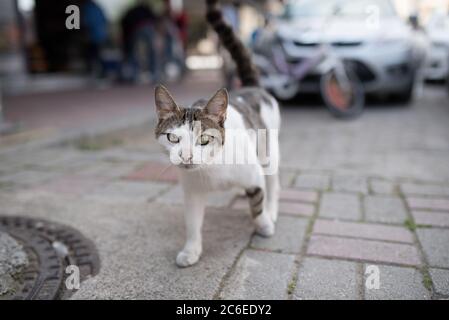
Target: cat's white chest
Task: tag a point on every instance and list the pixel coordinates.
(212, 178)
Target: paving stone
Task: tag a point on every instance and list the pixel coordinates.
(73, 166)
(288, 238)
(175, 196)
(29, 178)
(296, 208)
(220, 199)
(440, 279)
(431, 218)
(362, 230)
(324, 279)
(313, 181)
(340, 206)
(385, 209)
(359, 249)
(435, 243)
(398, 283)
(138, 244)
(155, 171)
(427, 203)
(240, 203)
(382, 186)
(110, 170)
(128, 191)
(60, 158)
(73, 184)
(298, 195)
(424, 189)
(126, 155)
(350, 183)
(259, 275)
(285, 207)
(287, 177)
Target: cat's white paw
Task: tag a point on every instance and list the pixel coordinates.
(266, 230)
(187, 259)
(274, 216)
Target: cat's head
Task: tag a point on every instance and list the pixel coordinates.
(192, 136)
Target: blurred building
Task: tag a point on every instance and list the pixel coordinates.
(423, 8)
(11, 58)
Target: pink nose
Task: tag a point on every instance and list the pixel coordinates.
(186, 158)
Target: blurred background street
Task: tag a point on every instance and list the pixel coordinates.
(77, 148)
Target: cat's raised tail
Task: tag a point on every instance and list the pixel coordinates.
(245, 68)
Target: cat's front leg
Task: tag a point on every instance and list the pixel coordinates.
(193, 216)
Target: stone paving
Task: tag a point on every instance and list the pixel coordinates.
(335, 224)
(325, 237)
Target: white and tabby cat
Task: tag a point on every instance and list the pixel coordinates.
(208, 128)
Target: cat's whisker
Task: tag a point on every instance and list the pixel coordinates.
(163, 171)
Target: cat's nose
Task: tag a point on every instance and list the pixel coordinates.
(186, 157)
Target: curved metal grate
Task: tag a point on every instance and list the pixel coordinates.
(50, 247)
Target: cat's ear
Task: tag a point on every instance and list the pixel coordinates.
(217, 105)
(165, 104)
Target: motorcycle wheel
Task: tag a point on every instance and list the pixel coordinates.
(286, 92)
(343, 103)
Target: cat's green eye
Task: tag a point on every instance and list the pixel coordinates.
(173, 138)
(204, 139)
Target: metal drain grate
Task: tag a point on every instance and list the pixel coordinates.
(50, 247)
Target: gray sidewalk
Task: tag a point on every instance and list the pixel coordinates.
(374, 191)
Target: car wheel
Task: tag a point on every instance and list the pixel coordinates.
(340, 102)
(447, 83)
(406, 96)
(287, 91)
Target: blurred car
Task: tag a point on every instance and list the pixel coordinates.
(437, 66)
(383, 49)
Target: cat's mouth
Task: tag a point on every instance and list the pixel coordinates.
(188, 166)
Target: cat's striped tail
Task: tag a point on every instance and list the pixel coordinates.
(245, 68)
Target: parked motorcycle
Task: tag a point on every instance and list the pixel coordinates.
(340, 88)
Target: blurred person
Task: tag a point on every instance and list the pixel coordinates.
(231, 15)
(179, 16)
(173, 58)
(139, 26)
(96, 25)
(258, 33)
(437, 29)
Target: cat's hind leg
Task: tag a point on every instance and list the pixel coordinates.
(259, 212)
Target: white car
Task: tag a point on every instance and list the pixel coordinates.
(437, 65)
(384, 49)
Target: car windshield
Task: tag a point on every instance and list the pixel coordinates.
(439, 22)
(346, 8)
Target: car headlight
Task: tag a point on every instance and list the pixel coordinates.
(397, 42)
(440, 45)
(394, 44)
